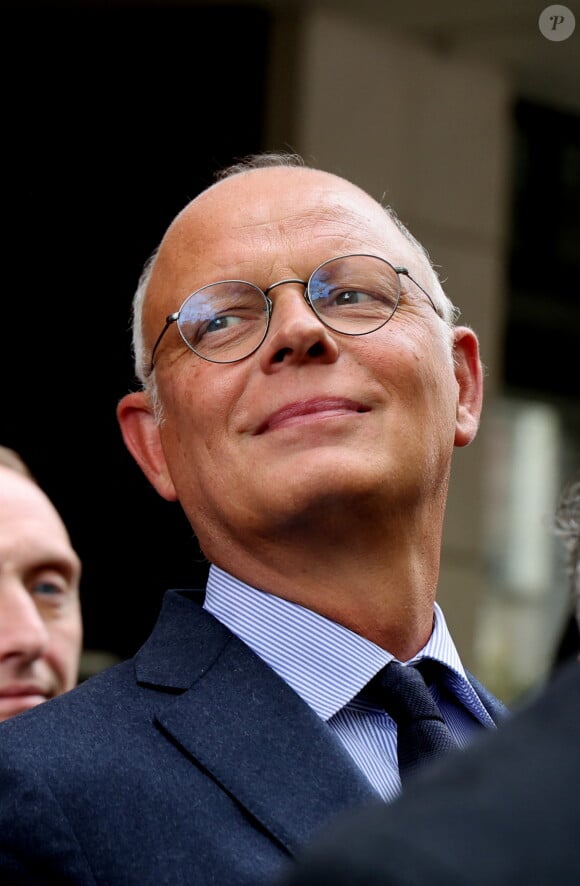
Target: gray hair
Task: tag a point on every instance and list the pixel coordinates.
(263, 160)
(567, 527)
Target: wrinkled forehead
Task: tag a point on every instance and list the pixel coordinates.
(272, 208)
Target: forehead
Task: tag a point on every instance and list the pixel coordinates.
(283, 200)
(276, 218)
(24, 507)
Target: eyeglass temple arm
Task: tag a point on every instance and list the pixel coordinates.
(405, 271)
(171, 318)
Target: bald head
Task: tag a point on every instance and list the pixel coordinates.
(11, 459)
(279, 293)
(269, 197)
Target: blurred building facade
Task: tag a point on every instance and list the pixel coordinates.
(466, 117)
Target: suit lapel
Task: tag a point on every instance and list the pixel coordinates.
(244, 724)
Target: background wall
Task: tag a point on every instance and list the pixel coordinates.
(414, 139)
(118, 113)
(114, 117)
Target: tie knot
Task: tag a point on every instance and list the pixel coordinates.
(421, 731)
(404, 693)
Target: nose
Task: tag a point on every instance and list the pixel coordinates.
(296, 335)
(23, 633)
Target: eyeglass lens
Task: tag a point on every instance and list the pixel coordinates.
(227, 321)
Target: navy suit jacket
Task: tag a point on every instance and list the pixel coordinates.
(192, 763)
(506, 814)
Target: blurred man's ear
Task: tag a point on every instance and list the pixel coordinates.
(140, 432)
(469, 375)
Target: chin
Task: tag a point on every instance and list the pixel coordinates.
(306, 483)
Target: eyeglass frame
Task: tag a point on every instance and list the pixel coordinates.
(174, 317)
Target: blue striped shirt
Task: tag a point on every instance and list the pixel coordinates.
(328, 665)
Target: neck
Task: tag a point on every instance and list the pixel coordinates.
(379, 582)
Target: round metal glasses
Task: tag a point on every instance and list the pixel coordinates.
(227, 321)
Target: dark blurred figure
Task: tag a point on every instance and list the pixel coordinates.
(568, 645)
(567, 526)
(505, 811)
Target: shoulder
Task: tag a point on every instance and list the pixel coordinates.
(501, 811)
(68, 714)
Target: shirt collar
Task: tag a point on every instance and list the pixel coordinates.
(324, 662)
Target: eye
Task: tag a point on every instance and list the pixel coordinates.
(222, 314)
(52, 590)
(219, 323)
(47, 588)
(353, 297)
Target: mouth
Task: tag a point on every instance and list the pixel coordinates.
(304, 411)
(14, 701)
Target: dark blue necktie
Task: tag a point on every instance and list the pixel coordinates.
(422, 734)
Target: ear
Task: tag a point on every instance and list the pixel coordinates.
(469, 376)
(140, 432)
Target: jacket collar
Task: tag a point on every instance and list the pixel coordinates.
(244, 725)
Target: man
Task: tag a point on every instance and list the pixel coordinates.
(506, 813)
(304, 386)
(40, 617)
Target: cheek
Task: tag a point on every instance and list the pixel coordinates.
(203, 395)
(416, 372)
(436, 385)
(410, 363)
(430, 360)
(196, 430)
(65, 649)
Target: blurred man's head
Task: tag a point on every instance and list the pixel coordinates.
(568, 527)
(567, 524)
(40, 614)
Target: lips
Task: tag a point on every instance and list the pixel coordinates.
(323, 406)
(15, 699)
(24, 691)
